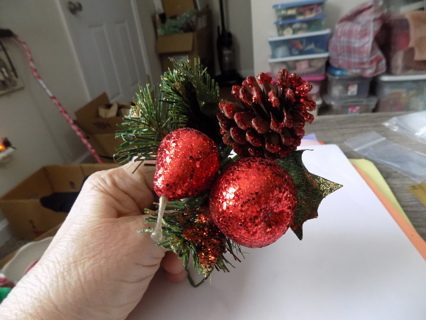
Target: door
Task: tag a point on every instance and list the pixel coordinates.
(108, 45)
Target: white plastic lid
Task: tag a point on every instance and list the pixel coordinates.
(405, 77)
(301, 35)
(352, 100)
(302, 57)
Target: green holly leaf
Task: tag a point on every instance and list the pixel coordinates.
(311, 189)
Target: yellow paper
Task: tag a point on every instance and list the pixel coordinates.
(374, 174)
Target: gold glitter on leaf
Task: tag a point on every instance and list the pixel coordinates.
(312, 189)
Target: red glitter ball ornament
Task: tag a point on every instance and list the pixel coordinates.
(253, 202)
(187, 163)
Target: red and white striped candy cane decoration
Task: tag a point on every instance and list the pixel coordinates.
(56, 101)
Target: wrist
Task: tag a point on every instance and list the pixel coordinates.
(40, 294)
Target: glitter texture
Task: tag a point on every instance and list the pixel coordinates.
(205, 236)
(187, 164)
(267, 118)
(253, 202)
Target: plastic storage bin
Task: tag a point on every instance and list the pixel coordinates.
(403, 5)
(316, 82)
(302, 65)
(307, 43)
(298, 26)
(352, 105)
(401, 93)
(299, 9)
(394, 39)
(338, 72)
(348, 86)
(319, 104)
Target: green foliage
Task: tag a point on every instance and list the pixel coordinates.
(149, 121)
(187, 96)
(194, 93)
(190, 233)
(311, 189)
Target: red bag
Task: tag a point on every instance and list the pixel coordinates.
(353, 47)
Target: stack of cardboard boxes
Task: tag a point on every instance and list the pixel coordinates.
(28, 218)
(21, 206)
(195, 44)
(101, 131)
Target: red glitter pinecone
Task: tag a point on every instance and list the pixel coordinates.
(268, 118)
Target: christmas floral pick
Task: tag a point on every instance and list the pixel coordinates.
(228, 173)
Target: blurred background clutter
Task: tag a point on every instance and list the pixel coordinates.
(372, 59)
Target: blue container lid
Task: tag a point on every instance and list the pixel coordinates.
(321, 16)
(296, 4)
(336, 71)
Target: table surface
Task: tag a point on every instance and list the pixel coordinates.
(336, 129)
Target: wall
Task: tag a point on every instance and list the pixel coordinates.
(145, 10)
(28, 117)
(263, 17)
(238, 22)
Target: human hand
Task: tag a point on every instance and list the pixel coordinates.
(97, 266)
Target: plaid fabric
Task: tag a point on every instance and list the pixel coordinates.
(352, 46)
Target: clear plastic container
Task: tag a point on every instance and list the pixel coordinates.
(304, 65)
(300, 44)
(299, 9)
(350, 105)
(401, 93)
(348, 86)
(298, 26)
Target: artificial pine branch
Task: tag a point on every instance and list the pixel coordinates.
(195, 94)
(149, 121)
(186, 97)
(190, 233)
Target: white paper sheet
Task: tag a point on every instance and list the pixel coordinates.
(353, 263)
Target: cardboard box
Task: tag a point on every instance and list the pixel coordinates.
(105, 145)
(88, 117)
(173, 8)
(197, 44)
(100, 131)
(21, 206)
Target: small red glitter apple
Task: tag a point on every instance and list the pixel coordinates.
(187, 163)
(253, 202)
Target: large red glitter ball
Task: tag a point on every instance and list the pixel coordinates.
(253, 202)
(187, 164)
